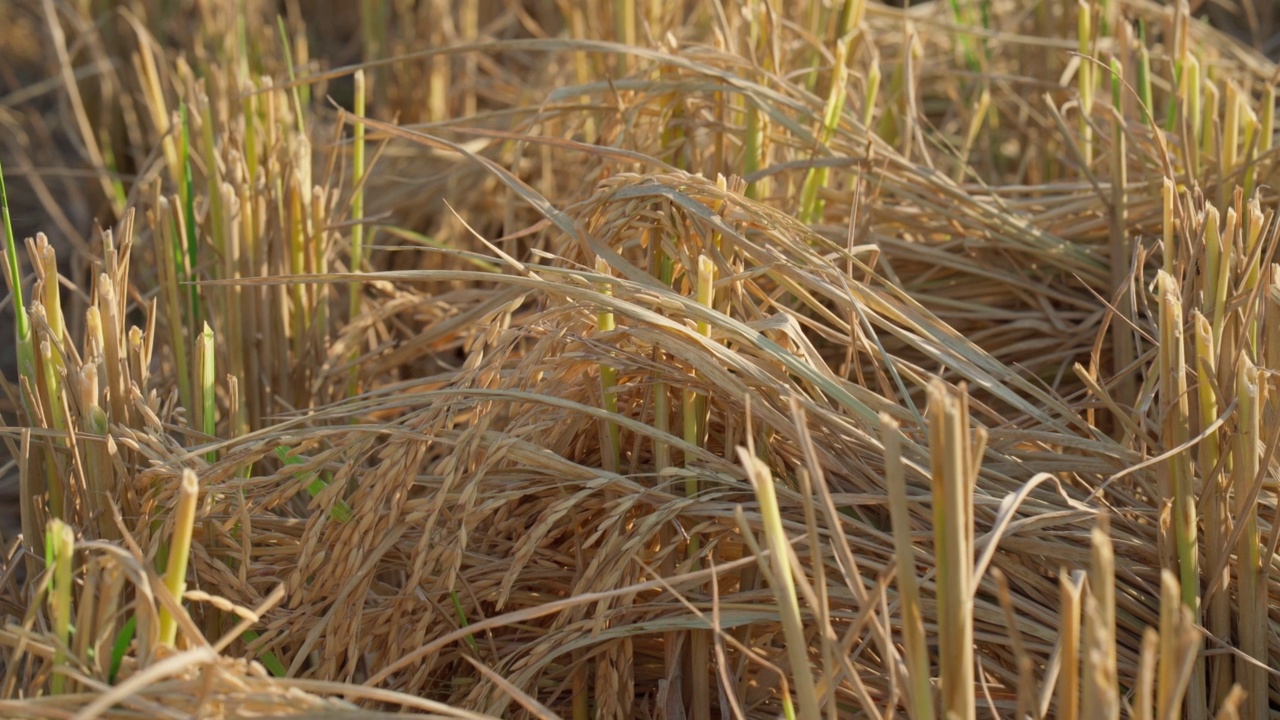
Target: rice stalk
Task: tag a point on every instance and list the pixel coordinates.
(179, 551)
(1085, 82)
(1123, 342)
(778, 568)
(695, 410)
(206, 361)
(815, 181)
(1215, 508)
(1193, 92)
(1173, 389)
(952, 456)
(60, 545)
(1145, 97)
(1100, 682)
(608, 383)
(920, 690)
(355, 290)
(24, 341)
(1179, 649)
(1252, 607)
(1069, 646)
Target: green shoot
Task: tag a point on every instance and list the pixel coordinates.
(120, 648)
(269, 659)
(461, 614)
(22, 322)
(315, 485)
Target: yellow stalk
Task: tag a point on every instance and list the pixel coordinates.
(953, 476)
(778, 565)
(1101, 699)
(175, 579)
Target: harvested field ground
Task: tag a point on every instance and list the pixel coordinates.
(640, 360)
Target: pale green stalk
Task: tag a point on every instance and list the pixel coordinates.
(1218, 256)
(754, 149)
(1084, 79)
(175, 578)
(355, 291)
(816, 179)
(170, 272)
(49, 364)
(1144, 82)
(1252, 622)
(814, 23)
(1250, 124)
(694, 420)
(190, 253)
(99, 472)
(373, 26)
(1168, 239)
(778, 565)
(1216, 511)
(1208, 119)
(298, 264)
(60, 545)
(961, 16)
(26, 349)
(1253, 269)
(1177, 432)
(873, 90)
(1107, 18)
(753, 144)
(207, 362)
(1191, 89)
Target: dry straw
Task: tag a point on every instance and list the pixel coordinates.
(656, 361)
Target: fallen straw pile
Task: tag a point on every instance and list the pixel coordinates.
(685, 360)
